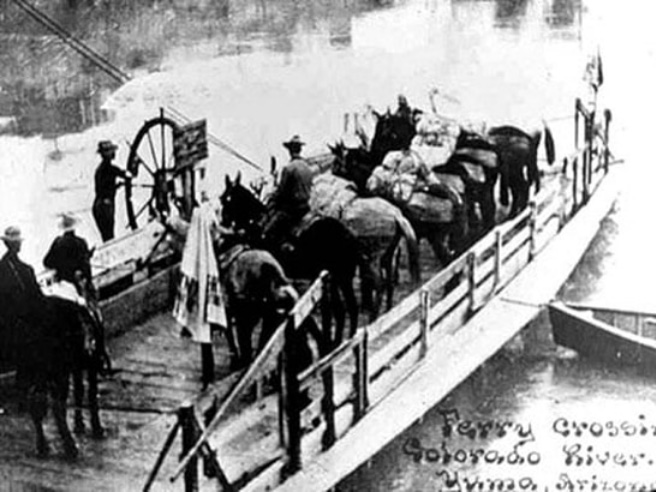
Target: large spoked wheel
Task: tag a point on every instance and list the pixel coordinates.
(155, 188)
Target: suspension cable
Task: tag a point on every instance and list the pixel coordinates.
(115, 72)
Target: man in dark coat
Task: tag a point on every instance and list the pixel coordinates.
(105, 185)
(22, 305)
(69, 255)
(291, 200)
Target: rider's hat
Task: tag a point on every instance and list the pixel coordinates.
(12, 235)
(294, 143)
(67, 222)
(106, 145)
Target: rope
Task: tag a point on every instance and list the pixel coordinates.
(523, 303)
(115, 72)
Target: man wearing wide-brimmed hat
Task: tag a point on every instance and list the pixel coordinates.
(22, 304)
(291, 199)
(69, 254)
(105, 186)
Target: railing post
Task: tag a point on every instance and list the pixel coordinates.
(423, 322)
(577, 105)
(498, 246)
(592, 136)
(327, 345)
(282, 401)
(189, 436)
(471, 279)
(607, 118)
(532, 224)
(575, 171)
(361, 376)
(292, 401)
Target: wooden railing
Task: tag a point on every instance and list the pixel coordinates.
(275, 357)
(355, 376)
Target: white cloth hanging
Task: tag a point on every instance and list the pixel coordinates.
(199, 301)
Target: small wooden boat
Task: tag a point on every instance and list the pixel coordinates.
(610, 335)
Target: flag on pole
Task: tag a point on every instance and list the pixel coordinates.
(199, 302)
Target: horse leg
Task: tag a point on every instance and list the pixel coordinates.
(337, 308)
(270, 321)
(92, 377)
(368, 288)
(389, 274)
(346, 286)
(59, 394)
(37, 402)
(233, 346)
(245, 323)
(78, 396)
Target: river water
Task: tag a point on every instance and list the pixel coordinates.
(260, 71)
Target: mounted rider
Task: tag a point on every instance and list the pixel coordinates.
(22, 305)
(290, 202)
(69, 256)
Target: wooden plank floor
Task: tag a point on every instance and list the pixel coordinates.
(155, 372)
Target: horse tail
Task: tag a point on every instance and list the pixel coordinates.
(405, 227)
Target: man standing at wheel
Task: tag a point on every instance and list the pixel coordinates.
(105, 186)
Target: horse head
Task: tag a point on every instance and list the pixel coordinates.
(240, 208)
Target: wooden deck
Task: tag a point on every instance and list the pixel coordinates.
(155, 372)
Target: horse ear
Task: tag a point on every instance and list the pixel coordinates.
(274, 165)
(238, 179)
(332, 148)
(228, 183)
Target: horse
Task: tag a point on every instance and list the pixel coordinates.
(378, 226)
(324, 244)
(438, 215)
(66, 343)
(474, 163)
(392, 132)
(256, 289)
(518, 162)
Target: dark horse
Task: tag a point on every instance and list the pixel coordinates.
(518, 161)
(325, 244)
(47, 354)
(257, 289)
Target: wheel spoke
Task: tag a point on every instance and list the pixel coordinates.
(152, 149)
(163, 148)
(141, 161)
(143, 185)
(143, 208)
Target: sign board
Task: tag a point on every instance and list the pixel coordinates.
(190, 144)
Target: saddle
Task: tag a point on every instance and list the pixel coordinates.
(304, 224)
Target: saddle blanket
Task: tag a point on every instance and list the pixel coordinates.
(64, 290)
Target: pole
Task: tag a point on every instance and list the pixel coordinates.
(189, 436)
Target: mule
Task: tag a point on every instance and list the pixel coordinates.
(438, 214)
(379, 227)
(257, 290)
(518, 162)
(324, 244)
